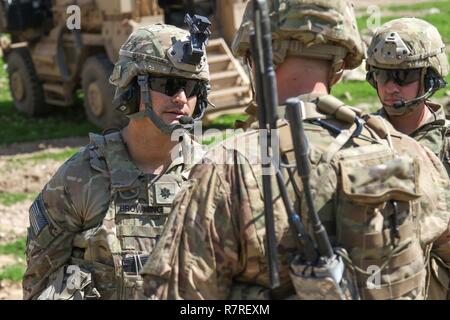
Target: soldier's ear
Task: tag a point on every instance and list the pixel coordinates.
(335, 79)
(337, 71)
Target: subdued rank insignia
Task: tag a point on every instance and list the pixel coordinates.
(165, 192)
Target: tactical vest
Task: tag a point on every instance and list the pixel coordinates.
(116, 250)
(374, 213)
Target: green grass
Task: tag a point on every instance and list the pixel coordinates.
(222, 123)
(360, 91)
(439, 20)
(57, 156)
(225, 122)
(17, 162)
(13, 272)
(212, 140)
(61, 122)
(442, 5)
(8, 199)
(16, 248)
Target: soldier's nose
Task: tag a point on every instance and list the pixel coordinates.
(180, 97)
(392, 87)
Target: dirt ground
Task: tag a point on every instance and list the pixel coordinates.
(24, 176)
(9, 290)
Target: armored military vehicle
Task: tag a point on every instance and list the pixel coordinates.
(56, 47)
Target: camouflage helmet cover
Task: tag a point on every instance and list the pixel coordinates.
(156, 49)
(330, 26)
(408, 43)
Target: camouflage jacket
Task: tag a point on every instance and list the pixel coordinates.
(95, 222)
(433, 134)
(214, 245)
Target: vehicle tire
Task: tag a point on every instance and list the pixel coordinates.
(26, 88)
(99, 93)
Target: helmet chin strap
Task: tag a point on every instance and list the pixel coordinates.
(185, 121)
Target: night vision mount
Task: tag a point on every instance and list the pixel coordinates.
(199, 28)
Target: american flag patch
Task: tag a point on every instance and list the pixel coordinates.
(38, 218)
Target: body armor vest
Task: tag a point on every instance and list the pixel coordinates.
(375, 210)
(116, 250)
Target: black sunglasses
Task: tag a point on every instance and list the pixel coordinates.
(170, 86)
(400, 76)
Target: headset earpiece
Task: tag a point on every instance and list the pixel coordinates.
(434, 81)
(128, 102)
(202, 102)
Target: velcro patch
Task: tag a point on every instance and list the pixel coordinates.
(38, 219)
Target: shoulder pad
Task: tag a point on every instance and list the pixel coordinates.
(96, 146)
(378, 124)
(97, 140)
(331, 105)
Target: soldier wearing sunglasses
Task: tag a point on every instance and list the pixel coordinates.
(96, 221)
(407, 64)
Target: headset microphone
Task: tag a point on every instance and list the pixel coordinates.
(401, 104)
(186, 120)
(435, 84)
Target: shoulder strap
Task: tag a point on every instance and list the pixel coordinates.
(331, 105)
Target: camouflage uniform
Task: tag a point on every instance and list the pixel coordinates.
(366, 189)
(417, 44)
(433, 134)
(96, 221)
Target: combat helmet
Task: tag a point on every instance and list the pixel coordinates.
(318, 29)
(409, 43)
(162, 50)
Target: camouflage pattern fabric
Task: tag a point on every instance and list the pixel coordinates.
(214, 246)
(433, 133)
(311, 23)
(155, 49)
(408, 43)
(95, 222)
